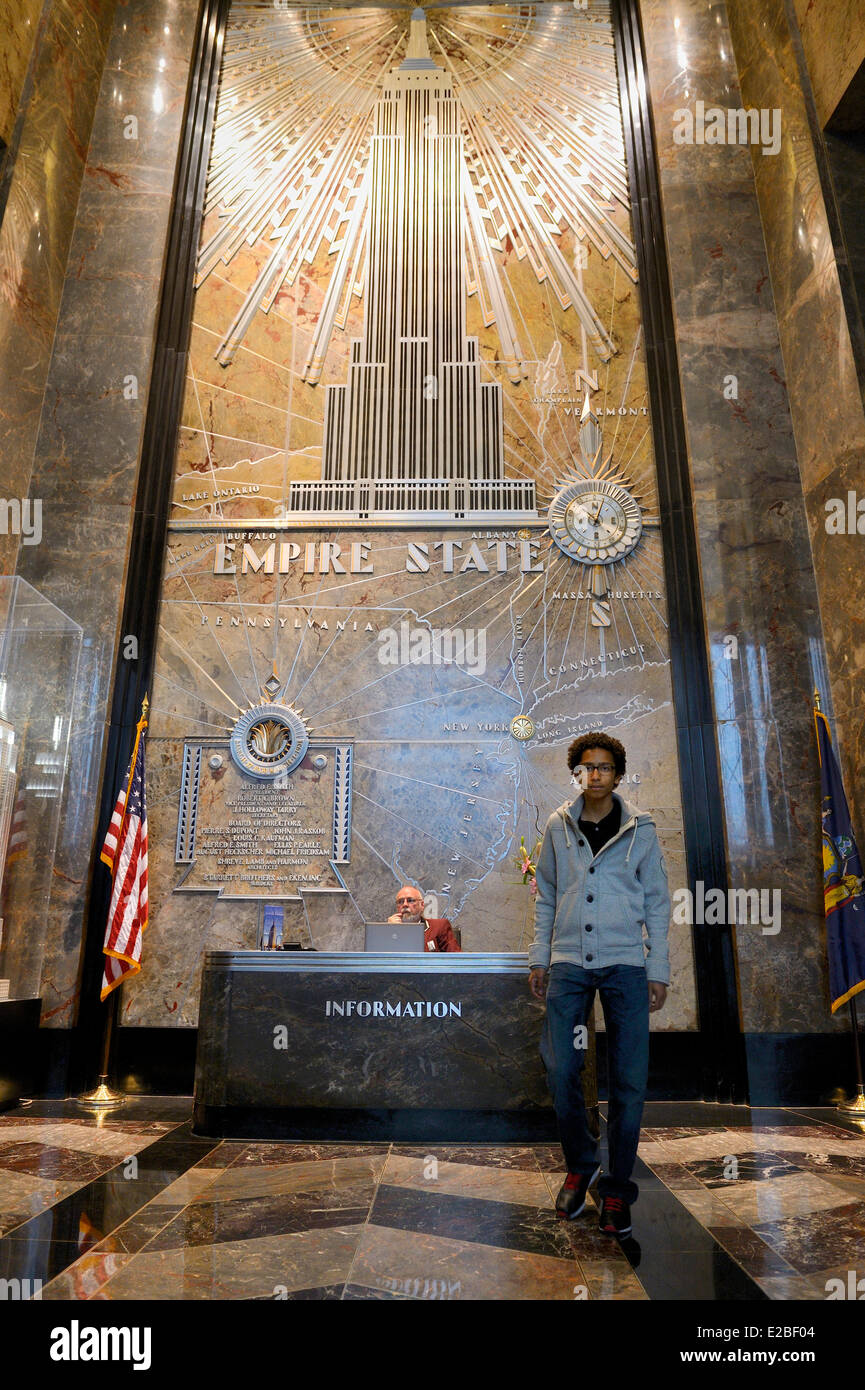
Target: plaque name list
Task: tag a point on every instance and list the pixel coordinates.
(250, 839)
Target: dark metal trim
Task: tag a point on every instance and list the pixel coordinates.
(153, 498)
(450, 966)
(724, 1072)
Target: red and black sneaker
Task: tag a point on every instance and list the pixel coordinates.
(571, 1200)
(615, 1217)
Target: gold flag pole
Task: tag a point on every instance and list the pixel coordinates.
(103, 1096)
(856, 1106)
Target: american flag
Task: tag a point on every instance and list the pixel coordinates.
(125, 853)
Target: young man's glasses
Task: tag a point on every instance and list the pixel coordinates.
(605, 768)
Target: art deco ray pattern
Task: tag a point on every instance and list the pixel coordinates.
(541, 146)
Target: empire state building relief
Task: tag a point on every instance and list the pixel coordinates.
(416, 163)
(415, 428)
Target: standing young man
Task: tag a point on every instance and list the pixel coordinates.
(600, 878)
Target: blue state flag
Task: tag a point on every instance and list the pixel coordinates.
(843, 882)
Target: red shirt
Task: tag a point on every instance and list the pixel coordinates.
(438, 935)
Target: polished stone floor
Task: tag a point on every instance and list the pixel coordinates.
(735, 1204)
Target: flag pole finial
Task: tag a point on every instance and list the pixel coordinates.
(817, 705)
(145, 706)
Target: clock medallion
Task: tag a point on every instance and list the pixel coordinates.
(595, 522)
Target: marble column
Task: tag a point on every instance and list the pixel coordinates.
(758, 577)
(38, 197)
(19, 26)
(819, 366)
(87, 451)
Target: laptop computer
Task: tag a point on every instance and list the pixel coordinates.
(393, 936)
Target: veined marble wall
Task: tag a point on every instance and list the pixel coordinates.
(44, 177)
(753, 538)
(86, 455)
(820, 372)
(19, 22)
(833, 37)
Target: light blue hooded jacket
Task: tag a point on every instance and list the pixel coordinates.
(597, 907)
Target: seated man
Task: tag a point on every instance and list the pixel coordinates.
(437, 935)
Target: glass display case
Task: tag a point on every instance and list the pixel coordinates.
(39, 654)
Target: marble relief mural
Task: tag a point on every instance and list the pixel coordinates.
(414, 547)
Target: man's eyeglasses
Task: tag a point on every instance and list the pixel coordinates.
(605, 768)
(408, 902)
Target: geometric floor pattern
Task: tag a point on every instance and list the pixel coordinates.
(735, 1204)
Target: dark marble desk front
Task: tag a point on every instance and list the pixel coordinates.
(352, 1044)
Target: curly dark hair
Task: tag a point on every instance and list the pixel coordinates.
(605, 741)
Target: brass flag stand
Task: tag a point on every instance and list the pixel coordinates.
(103, 1097)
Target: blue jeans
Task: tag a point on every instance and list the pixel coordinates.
(624, 995)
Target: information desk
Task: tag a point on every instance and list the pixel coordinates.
(353, 1045)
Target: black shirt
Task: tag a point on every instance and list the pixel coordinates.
(599, 832)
